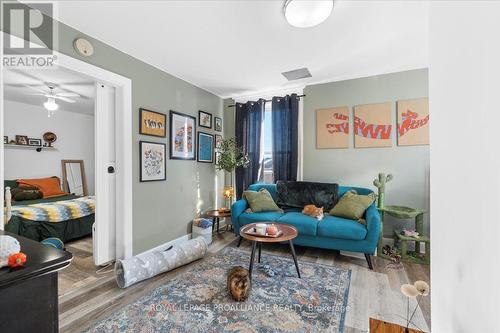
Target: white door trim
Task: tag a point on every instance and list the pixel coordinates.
(124, 161)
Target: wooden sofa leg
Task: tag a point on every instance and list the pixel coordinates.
(369, 261)
(239, 241)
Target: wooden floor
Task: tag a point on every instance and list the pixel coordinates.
(86, 297)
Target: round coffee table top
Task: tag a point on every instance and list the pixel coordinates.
(289, 232)
(217, 213)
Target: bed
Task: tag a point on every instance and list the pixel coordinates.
(39, 230)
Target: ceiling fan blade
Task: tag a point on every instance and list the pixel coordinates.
(36, 94)
(68, 94)
(36, 89)
(69, 100)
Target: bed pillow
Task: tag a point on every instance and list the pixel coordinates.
(22, 193)
(50, 187)
(10, 183)
(260, 201)
(353, 206)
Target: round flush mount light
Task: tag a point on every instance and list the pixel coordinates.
(307, 13)
(83, 47)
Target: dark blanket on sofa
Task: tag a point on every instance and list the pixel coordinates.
(293, 194)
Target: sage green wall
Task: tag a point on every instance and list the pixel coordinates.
(409, 165)
(162, 211)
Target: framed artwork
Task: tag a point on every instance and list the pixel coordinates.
(204, 119)
(152, 123)
(332, 128)
(373, 125)
(153, 161)
(413, 122)
(5, 139)
(218, 140)
(21, 140)
(205, 147)
(182, 136)
(218, 124)
(34, 142)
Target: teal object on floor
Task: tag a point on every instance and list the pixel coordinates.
(333, 233)
(54, 242)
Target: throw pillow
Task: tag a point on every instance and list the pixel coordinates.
(353, 206)
(50, 187)
(260, 201)
(22, 193)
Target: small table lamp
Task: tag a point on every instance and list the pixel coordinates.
(228, 193)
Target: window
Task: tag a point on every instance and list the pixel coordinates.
(267, 163)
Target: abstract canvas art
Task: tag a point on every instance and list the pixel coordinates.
(153, 161)
(182, 136)
(413, 122)
(372, 125)
(332, 128)
(205, 147)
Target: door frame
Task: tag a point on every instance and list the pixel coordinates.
(124, 160)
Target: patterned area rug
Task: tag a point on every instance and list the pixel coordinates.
(198, 301)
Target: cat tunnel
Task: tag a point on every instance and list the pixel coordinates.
(149, 264)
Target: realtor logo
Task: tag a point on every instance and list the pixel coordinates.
(29, 34)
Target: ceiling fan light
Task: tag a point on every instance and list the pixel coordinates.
(307, 13)
(51, 104)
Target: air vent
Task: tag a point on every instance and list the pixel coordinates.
(297, 74)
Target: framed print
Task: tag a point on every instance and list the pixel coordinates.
(413, 122)
(332, 128)
(205, 147)
(5, 139)
(372, 125)
(21, 140)
(152, 123)
(153, 161)
(218, 124)
(204, 119)
(34, 142)
(218, 140)
(182, 136)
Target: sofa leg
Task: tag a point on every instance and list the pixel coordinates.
(239, 241)
(369, 261)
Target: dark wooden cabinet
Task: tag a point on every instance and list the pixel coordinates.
(28, 295)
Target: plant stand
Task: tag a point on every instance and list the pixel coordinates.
(401, 241)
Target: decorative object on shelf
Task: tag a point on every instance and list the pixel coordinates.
(218, 124)
(34, 142)
(152, 123)
(182, 136)
(205, 147)
(373, 125)
(17, 260)
(12, 142)
(5, 139)
(239, 283)
(84, 47)
(413, 122)
(229, 157)
(153, 161)
(380, 185)
(204, 119)
(8, 245)
(332, 128)
(21, 140)
(74, 178)
(417, 290)
(50, 138)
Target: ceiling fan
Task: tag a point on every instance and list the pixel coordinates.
(51, 95)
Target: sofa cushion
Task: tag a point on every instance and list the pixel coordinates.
(353, 205)
(247, 218)
(270, 187)
(337, 227)
(306, 225)
(260, 201)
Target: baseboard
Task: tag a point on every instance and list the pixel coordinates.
(166, 245)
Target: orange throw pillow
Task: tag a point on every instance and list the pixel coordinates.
(50, 187)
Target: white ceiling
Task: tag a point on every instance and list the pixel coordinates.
(235, 48)
(20, 85)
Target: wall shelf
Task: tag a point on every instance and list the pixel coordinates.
(37, 148)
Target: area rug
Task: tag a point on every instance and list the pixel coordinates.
(198, 301)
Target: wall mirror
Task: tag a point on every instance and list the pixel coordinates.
(74, 180)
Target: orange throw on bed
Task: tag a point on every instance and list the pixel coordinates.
(50, 187)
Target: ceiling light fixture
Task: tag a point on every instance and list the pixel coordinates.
(307, 13)
(51, 106)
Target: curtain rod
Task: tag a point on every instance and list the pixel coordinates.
(267, 100)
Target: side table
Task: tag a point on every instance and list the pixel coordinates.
(216, 215)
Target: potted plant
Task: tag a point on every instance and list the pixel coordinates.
(230, 157)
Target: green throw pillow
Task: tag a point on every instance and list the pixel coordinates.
(353, 206)
(22, 193)
(261, 201)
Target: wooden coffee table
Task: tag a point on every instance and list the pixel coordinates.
(289, 233)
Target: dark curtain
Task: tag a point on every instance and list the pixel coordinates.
(249, 118)
(285, 113)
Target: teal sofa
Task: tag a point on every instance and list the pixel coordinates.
(331, 232)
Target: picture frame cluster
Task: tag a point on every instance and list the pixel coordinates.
(185, 142)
